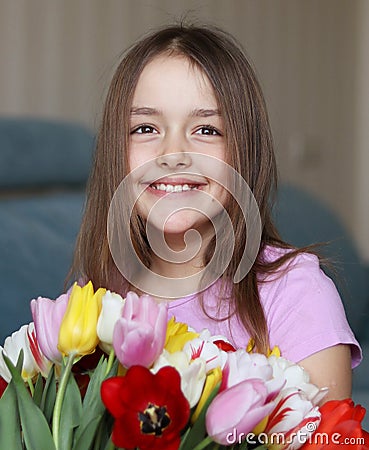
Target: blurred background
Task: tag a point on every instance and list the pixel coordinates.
(311, 56)
(57, 58)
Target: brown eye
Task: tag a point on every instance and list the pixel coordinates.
(208, 131)
(144, 129)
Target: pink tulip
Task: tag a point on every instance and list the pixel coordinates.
(238, 410)
(139, 335)
(47, 316)
(42, 362)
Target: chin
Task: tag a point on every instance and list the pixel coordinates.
(181, 222)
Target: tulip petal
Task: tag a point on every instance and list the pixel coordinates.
(77, 333)
(227, 412)
(130, 398)
(47, 315)
(139, 335)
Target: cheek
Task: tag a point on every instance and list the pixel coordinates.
(140, 154)
(221, 191)
(220, 153)
(135, 160)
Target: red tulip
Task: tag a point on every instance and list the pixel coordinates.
(3, 386)
(340, 425)
(149, 410)
(223, 345)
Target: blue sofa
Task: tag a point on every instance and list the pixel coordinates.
(302, 220)
(43, 170)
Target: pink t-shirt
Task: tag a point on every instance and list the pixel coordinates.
(303, 309)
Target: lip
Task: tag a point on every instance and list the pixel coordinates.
(175, 181)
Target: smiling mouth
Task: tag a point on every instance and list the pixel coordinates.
(174, 188)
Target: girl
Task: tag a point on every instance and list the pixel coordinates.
(182, 98)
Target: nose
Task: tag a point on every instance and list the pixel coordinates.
(177, 160)
(173, 155)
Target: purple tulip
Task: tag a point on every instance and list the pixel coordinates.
(139, 335)
(237, 410)
(47, 316)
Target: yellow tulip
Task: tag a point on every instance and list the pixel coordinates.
(260, 427)
(275, 351)
(212, 379)
(77, 334)
(177, 336)
(250, 348)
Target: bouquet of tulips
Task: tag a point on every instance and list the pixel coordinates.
(96, 371)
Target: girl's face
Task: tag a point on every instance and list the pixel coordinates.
(175, 123)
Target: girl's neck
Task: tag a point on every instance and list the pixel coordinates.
(174, 265)
(178, 269)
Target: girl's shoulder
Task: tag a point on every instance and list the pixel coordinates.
(307, 262)
(303, 308)
(272, 253)
(299, 276)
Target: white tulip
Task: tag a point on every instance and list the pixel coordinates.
(112, 306)
(242, 365)
(4, 371)
(294, 416)
(207, 350)
(193, 373)
(12, 346)
(296, 377)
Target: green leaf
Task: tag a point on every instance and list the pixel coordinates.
(10, 432)
(19, 365)
(93, 408)
(71, 413)
(39, 387)
(49, 395)
(86, 438)
(198, 431)
(109, 446)
(242, 446)
(36, 431)
(104, 432)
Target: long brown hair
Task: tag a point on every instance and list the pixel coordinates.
(249, 149)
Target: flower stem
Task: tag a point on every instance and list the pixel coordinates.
(60, 397)
(110, 361)
(31, 387)
(204, 443)
(111, 446)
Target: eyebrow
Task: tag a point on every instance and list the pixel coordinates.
(205, 112)
(197, 112)
(145, 111)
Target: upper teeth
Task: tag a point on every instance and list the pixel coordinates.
(173, 188)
